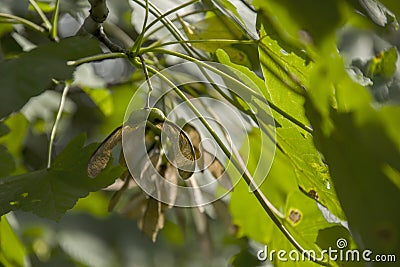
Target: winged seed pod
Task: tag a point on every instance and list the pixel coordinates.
(206, 159)
(182, 149)
(183, 152)
(100, 158)
(153, 218)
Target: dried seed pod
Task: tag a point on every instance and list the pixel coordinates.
(100, 158)
(204, 158)
(183, 153)
(126, 176)
(153, 218)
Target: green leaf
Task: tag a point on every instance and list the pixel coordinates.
(44, 6)
(311, 173)
(12, 251)
(173, 233)
(245, 259)
(361, 146)
(102, 98)
(392, 6)
(249, 92)
(7, 163)
(51, 192)
(283, 71)
(221, 27)
(253, 221)
(3, 129)
(5, 28)
(298, 148)
(14, 139)
(383, 64)
(303, 22)
(246, 211)
(32, 72)
(329, 238)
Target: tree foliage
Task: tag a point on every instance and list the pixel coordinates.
(323, 107)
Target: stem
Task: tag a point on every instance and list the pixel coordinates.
(115, 32)
(251, 91)
(54, 21)
(139, 40)
(272, 212)
(175, 19)
(41, 14)
(146, 75)
(102, 37)
(96, 58)
(158, 45)
(58, 117)
(23, 21)
(170, 26)
(170, 12)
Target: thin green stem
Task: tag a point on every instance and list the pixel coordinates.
(235, 158)
(41, 14)
(227, 41)
(251, 91)
(139, 39)
(175, 19)
(23, 21)
(54, 21)
(96, 58)
(57, 120)
(170, 12)
(146, 75)
(170, 26)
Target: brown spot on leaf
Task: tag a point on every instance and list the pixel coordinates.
(294, 216)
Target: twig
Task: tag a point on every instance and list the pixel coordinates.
(23, 21)
(41, 14)
(58, 117)
(146, 75)
(54, 21)
(93, 24)
(102, 37)
(96, 58)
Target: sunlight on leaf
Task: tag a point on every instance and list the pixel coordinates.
(102, 98)
(221, 27)
(12, 250)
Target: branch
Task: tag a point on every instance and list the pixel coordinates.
(93, 25)
(102, 37)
